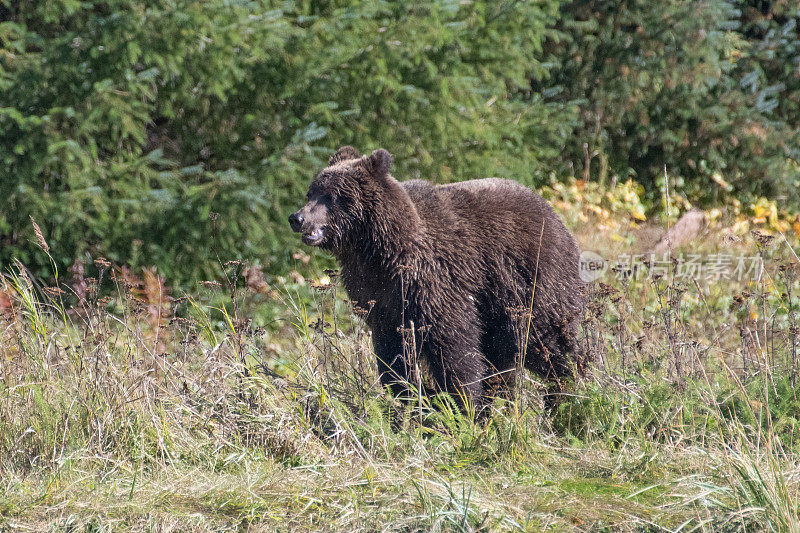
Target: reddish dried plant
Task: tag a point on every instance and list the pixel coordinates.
(6, 301)
(255, 280)
(149, 296)
(77, 281)
(156, 296)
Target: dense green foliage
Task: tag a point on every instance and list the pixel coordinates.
(702, 88)
(178, 133)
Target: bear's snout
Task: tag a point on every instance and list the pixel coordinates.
(296, 222)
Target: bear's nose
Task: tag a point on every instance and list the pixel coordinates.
(296, 221)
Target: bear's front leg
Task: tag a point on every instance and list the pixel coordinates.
(393, 365)
(456, 362)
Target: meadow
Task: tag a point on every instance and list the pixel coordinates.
(253, 403)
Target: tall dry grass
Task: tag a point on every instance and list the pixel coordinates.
(122, 405)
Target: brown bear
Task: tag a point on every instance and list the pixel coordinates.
(475, 269)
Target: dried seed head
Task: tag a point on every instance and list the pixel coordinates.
(790, 270)
(360, 311)
(762, 238)
(730, 238)
(40, 237)
(255, 279)
(639, 342)
(595, 309)
(54, 291)
(606, 290)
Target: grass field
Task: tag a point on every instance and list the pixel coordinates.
(255, 406)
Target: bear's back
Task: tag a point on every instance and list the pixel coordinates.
(497, 219)
(497, 193)
(476, 199)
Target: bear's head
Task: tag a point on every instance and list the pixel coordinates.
(343, 196)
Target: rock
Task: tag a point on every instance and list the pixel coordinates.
(688, 228)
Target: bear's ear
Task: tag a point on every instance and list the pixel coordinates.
(379, 163)
(343, 154)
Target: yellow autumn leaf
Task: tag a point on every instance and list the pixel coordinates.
(719, 180)
(597, 210)
(741, 227)
(609, 225)
(781, 225)
(763, 211)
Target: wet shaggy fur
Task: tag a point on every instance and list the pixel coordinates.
(457, 265)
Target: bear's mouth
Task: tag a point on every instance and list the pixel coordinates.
(314, 237)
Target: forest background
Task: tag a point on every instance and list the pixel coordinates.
(180, 134)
